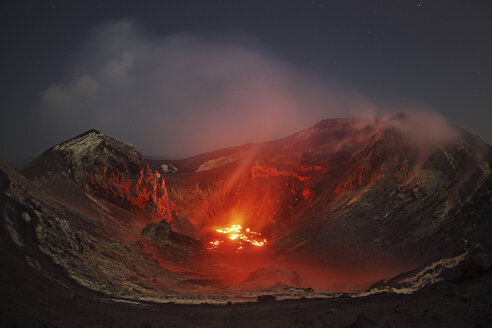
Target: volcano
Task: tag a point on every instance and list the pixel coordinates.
(328, 224)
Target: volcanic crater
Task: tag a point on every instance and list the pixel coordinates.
(353, 205)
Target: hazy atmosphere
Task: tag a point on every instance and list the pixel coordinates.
(175, 82)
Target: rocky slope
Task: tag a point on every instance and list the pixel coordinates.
(58, 241)
(107, 169)
(346, 196)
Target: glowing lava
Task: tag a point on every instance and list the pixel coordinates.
(241, 238)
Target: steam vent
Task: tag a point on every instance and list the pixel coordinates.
(329, 225)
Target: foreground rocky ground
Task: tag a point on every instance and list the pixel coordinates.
(30, 300)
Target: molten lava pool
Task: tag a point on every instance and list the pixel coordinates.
(238, 237)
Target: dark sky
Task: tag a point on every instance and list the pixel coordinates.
(179, 77)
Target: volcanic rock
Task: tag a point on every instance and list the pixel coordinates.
(363, 322)
(61, 243)
(4, 181)
(170, 244)
(266, 298)
(77, 156)
(106, 168)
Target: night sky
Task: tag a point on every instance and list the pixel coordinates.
(175, 78)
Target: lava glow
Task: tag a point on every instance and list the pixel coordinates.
(240, 237)
(145, 192)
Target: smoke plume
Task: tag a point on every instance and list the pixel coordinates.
(184, 94)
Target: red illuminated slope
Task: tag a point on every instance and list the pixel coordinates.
(343, 203)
